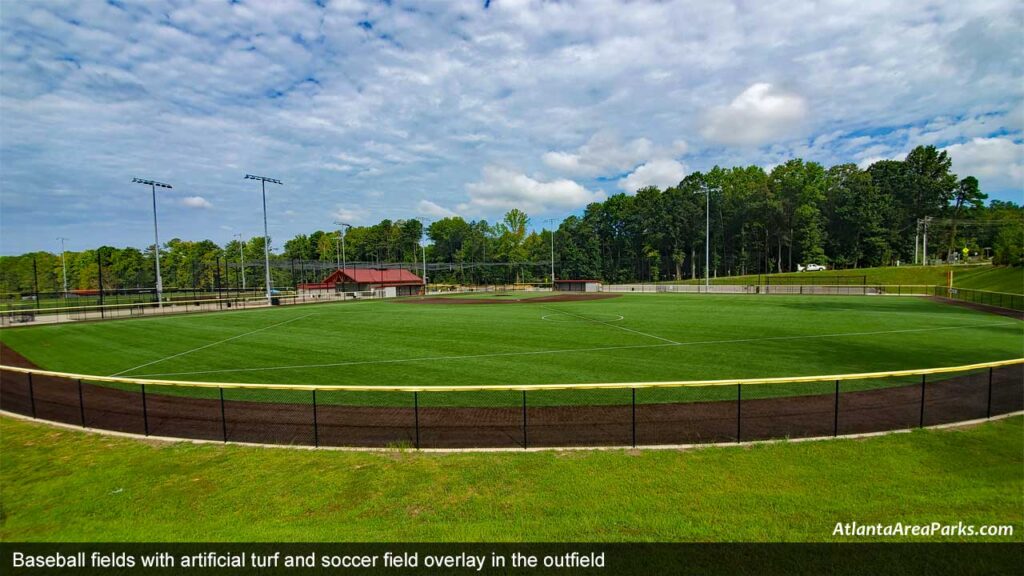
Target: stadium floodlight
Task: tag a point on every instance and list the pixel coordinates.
(241, 257)
(63, 264)
(156, 237)
(707, 237)
(266, 237)
(423, 251)
(344, 232)
(552, 222)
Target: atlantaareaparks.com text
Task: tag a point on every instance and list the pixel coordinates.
(933, 529)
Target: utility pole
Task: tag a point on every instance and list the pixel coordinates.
(266, 237)
(156, 239)
(63, 264)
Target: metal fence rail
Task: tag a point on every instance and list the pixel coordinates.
(552, 415)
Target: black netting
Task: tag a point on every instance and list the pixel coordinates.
(955, 397)
(372, 419)
(113, 408)
(801, 410)
(14, 392)
(477, 419)
(686, 415)
(879, 404)
(56, 399)
(1007, 389)
(184, 412)
(269, 416)
(577, 417)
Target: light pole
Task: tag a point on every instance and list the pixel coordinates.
(552, 222)
(63, 264)
(241, 257)
(707, 237)
(344, 261)
(423, 251)
(156, 238)
(266, 237)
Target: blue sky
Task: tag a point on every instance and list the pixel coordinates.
(371, 110)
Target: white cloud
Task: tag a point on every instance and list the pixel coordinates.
(661, 173)
(760, 114)
(995, 162)
(502, 189)
(601, 154)
(348, 215)
(196, 202)
(428, 208)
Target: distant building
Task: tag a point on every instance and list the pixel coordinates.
(578, 285)
(403, 282)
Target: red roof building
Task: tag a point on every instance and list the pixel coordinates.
(366, 279)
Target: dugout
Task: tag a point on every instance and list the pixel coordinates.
(578, 285)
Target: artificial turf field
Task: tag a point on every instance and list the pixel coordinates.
(632, 338)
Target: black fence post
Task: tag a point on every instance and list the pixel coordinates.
(81, 403)
(923, 377)
(988, 410)
(145, 414)
(835, 420)
(316, 430)
(634, 417)
(524, 421)
(223, 418)
(739, 403)
(416, 412)
(31, 395)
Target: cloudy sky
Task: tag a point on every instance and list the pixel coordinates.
(390, 109)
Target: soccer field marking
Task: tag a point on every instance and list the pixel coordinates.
(211, 344)
(613, 325)
(615, 318)
(568, 350)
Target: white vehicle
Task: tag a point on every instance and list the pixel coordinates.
(811, 268)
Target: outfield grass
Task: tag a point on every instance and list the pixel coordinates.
(660, 337)
(979, 277)
(62, 485)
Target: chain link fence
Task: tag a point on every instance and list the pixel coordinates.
(529, 417)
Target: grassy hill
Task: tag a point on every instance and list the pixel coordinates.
(977, 276)
(63, 485)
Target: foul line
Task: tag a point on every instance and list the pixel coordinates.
(210, 344)
(613, 325)
(569, 350)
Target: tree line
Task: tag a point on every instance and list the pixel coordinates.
(761, 221)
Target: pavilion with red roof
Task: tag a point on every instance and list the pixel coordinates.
(368, 279)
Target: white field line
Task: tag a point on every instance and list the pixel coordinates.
(613, 325)
(570, 350)
(211, 344)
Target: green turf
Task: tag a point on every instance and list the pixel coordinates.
(661, 337)
(979, 277)
(74, 486)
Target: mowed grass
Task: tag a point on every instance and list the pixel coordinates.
(658, 338)
(62, 485)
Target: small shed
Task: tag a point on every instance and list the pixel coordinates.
(578, 285)
(393, 282)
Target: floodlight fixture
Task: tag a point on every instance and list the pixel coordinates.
(344, 232)
(153, 184)
(266, 237)
(63, 264)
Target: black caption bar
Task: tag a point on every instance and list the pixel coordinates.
(465, 559)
